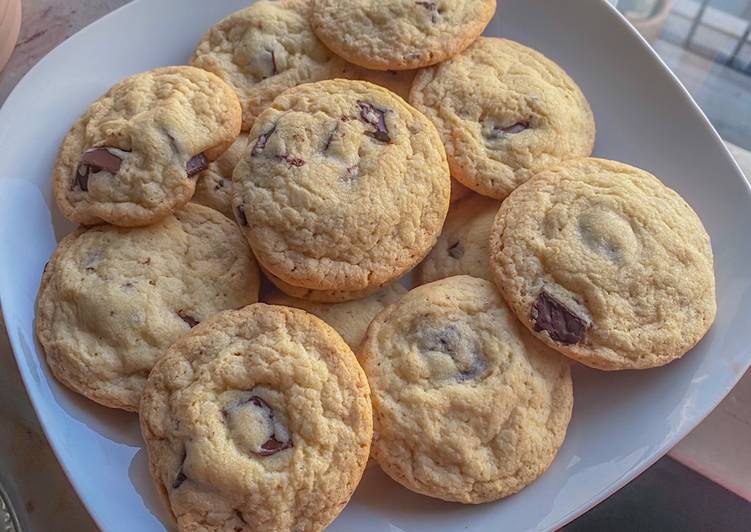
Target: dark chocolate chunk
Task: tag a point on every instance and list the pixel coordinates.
(187, 318)
(261, 142)
(273, 445)
(456, 250)
(240, 517)
(351, 173)
(290, 160)
(330, 138)
(562, 324)
(180, 477)
(376, 117)
(197, 164)
(219, 185)
(502, 132)
(273, 63)
(450, 341)
(94, 161)
(433, 8)
(240, 215)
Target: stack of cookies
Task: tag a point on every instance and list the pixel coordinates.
(312, 143)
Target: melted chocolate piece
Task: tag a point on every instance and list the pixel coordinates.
(352, 172)
(561, 323)
(94, 161)
(456, 250)
(187, 318)
(376, 117)
(292, 161)
(448, 340)
(330, 138)
(501, 132)
(272, 445)
(181, 476)
(433, 8)
(240, 214)
(273, 63)
(261, 142)
(197, 164)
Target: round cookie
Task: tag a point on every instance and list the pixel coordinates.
(214, 185)
(462, 248)
(504, 112)
(263, 50)
(259, 419)
(345, 187)
(133, 156)
(350, 319)
(467, 405)
(605, 264)
(112, 299)
(398, 34)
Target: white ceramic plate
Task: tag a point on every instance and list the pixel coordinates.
(622, 422)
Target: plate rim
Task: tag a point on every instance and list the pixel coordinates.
(565, 518)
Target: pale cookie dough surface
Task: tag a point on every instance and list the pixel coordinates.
(259, 419)
(214, 185)
(605, 264)
(505, 112)
(133, 157)
(265, 49)
(112, 299)
(350, 319)
(344, 187)
(400, 34)
(467, 405)
(462, 248)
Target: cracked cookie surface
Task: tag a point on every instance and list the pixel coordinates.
(214, 185)
(467, 405)
(112, 299)
(259, 419)
(351, 318)
(133, 156)
(462, 248)
(504, 112)
(344, 187)
(265, 49)
(400, 34)
(605, 264)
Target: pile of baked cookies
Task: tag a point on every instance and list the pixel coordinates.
(316, 139)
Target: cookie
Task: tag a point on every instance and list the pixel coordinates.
(462, 248)
(112, 299)
(344, 187)
(604, 263)
(349, 319)
(467, 405)
(504, 112)
(259, 419)
(133, 157)
(263, 50)
(214, 185)
(399, 35)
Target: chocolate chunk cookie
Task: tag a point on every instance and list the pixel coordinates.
(133, 157)
(467, 405)
(214, 185)
(112, 299)
(344, 187)
(604, 263)
(263, 50)
(505, 112)
(258, 419)
(462, 248)
(351, 318)
(400, 34)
